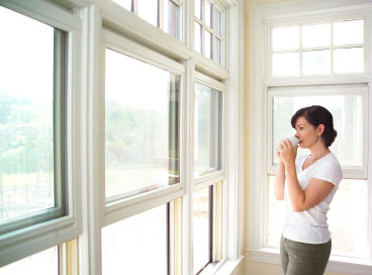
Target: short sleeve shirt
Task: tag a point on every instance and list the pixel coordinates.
(310, 226)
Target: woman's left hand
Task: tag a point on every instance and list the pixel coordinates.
(287, 153)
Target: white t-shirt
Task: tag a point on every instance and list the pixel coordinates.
(310, 226)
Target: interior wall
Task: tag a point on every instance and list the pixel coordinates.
(251, 267)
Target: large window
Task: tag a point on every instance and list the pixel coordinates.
(315, 60)
(31, 122)
(142, 126)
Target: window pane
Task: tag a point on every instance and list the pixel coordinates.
(316, 62)
(26, 116)
(347, 111)
(142, 126)
(286, 64)
(318, 35)
(207, 135)
(197, 38)
(148, 10)
(348, 60)
(197, 7)
(125, 3)
(217, 21)
(202, 228)
(208, 44)
(208, 13)
(275, 216)
(348, 32)
(136, 245)
(350, 204)
(285, 38)
(42, 263)
(172, 18)
(217, 51)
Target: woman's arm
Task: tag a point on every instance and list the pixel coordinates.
(316, 191)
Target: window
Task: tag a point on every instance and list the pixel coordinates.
(32, 144)
(208, 37)
(43, 263)
(315, 57)
(318, 49)
(165, 14)
(142, 127)
(207, 140)
(131, 242)
(38, 186)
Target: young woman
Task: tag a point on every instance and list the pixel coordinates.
(307, 184)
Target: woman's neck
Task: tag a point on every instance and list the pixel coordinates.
(318, 151)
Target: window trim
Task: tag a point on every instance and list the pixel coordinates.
(27, 241)
(258, 127)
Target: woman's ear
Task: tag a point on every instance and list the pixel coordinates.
(320, 129)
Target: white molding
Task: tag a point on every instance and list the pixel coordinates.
(133, 49)
(210, 82)
(93, 138)
(120, 210)
(45, 12)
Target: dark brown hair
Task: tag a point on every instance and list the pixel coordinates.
(316, 115)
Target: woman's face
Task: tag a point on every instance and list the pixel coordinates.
(306, 133)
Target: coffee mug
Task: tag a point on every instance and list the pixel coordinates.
(293, 140)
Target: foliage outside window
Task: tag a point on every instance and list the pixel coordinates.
(32, 121)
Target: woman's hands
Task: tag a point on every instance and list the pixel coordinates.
(285, 152)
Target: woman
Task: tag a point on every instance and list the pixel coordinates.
(307, 184)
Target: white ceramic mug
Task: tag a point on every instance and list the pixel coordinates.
(293, 140)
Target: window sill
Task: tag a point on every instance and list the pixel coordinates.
(227, 267)
(336, 264)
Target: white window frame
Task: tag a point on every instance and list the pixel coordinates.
(140, 39)
(32, 239)
(262, 18)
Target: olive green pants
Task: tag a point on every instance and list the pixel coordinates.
(304, 259)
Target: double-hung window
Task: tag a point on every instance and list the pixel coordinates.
(320, 57)
(38, 188)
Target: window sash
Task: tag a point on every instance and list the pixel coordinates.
(59, 144)
(357, 172)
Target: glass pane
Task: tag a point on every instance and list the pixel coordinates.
(348, 60)
(207, 135)
(348, 32)
(208, 44)
(316, 62)
(197, 7)
(136, 245)
(42, 263)
(125, 3)
(285, 38)
(142, 126)
(148, 10)
(350, 204)
(26, 116)
(197, 37)
(172, 18)
(208, 13)
(217, 21)
(202, 228)
(347, 111)
(318, 35)
(217, 51)
(275, 216)
(286, 64)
